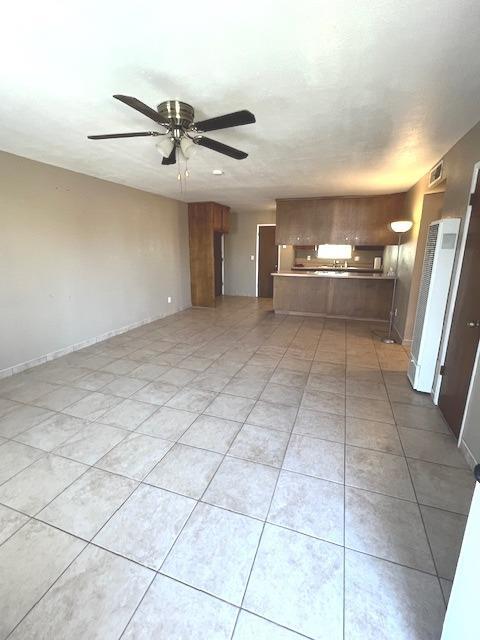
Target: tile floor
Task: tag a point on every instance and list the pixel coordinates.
(227, 474)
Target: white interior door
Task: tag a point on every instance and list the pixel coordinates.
(462, 621)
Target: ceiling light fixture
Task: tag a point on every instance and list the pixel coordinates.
(165, 146)
(217, 172)
(188, 147)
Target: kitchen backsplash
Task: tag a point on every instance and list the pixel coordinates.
(362, 258)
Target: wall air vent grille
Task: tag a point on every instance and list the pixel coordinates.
(436, 175)
(424, 287)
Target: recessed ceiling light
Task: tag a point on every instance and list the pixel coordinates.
(217, 172)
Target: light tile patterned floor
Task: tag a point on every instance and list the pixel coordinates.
(224, 474)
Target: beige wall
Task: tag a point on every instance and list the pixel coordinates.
(431, 210)
(458, 164)
(240, 244)
(80, 257)
(422, 209)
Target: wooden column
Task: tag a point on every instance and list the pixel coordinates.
(203, 219)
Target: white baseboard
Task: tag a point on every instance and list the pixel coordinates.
(53, 355)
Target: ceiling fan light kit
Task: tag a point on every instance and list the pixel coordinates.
(182, 132)
(164, 146)
(187, 145)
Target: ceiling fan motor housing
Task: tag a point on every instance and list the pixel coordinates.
(180, 114)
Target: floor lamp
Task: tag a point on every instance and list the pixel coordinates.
(399, 227)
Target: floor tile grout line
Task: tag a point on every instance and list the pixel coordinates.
(303, 435)
(53, 452)
(138, 605)
(279, 471)
(272, 428)
(159, 406)
(143, 481)
(277, 624)
(272, 524)
(98, 346)
(29, 518)
(47, 590)
(102, 370)
(88, 468)
(189, 517)
(420, 511)
(267, 513)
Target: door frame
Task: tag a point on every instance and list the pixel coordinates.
(222, 249)
(464, 448)
(437, 383)
(222, 260)
(269, 224)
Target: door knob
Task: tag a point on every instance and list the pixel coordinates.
(476, 472)
(473, 323)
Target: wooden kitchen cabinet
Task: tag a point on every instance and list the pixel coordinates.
(343, 220)
(220, 217)
(204, 220)
(217, 213)
(225, 219)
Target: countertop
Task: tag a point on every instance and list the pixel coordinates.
(341, 275)
(353, 269)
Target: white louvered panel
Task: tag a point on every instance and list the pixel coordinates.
(424, 287)
(432, 303)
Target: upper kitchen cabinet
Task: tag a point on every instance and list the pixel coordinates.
(344, 220)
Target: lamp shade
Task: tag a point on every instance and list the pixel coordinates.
(401, 226)
(165, 146)
(188, 147)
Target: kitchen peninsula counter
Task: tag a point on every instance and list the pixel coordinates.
(335, 294)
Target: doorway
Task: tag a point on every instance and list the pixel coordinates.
(267, 259)
(218, 262)
(465, 329)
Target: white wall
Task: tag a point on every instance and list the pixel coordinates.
(462, 618)
(240, 244)
(80, 257)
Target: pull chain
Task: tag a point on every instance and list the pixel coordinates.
(182, 179)
(179, 175)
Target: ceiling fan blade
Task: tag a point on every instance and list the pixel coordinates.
(172, 158)
(125, 135)
(214, 145)
(141, 107)
(234, 119)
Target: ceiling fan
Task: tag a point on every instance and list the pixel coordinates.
(181, 130)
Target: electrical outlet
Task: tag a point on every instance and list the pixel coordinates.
(396, 312)
(169, 299)
(252, 258)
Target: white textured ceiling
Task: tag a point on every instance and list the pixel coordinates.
(350, 96)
